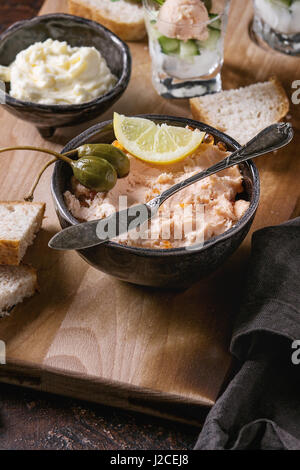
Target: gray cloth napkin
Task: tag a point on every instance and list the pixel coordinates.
(260, 409)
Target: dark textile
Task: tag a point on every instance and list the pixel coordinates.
(260, 409)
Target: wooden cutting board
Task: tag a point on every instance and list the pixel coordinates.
(90, 336)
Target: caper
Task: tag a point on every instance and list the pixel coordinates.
(91, 171)
(113, 155)
(95, 173)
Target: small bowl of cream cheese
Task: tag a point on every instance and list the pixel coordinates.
(61, 70)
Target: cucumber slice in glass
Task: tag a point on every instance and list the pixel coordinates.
(188, 48)
(211, 42)
(169, 45)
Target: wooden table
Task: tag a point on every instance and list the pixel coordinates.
(31, 420)
(244, 63)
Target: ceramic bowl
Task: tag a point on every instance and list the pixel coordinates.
(77, 32)
(174, 268)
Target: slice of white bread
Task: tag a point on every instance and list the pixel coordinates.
(19, 222)
(16, 283)
(125, 18)
(243, 112)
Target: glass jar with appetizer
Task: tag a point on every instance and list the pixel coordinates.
(277, 24)
(186, 45)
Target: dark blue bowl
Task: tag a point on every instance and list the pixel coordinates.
(175, 268)
(77, 32)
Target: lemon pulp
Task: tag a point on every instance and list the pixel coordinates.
(154, 143)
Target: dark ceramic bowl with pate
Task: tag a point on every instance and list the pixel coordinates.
(172, 268)
(77, 32)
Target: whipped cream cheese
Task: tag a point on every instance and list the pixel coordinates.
(53, 72)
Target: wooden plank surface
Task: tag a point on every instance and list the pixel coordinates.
(89, 336)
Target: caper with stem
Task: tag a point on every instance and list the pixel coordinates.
(92, 172)
(113, 155)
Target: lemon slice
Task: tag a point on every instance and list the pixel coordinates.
(154, 143)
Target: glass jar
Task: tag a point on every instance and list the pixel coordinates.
(187, 55)
(277, 23)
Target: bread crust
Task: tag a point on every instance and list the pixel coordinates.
(198, 113)
(285, 104)
(10, 249)
(9, 252)
(134, 31)
(33, 271)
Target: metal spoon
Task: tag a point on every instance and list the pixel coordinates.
(89, 234)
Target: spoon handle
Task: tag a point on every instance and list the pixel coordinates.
(268, 140)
